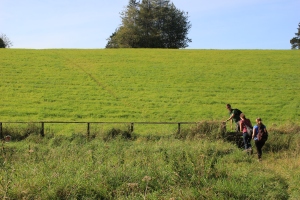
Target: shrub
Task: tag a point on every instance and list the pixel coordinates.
(117, 133)
(21, 132)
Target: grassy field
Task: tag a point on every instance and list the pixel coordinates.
(141, 85)
(148, 85)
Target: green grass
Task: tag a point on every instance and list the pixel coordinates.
(74, 167)
(148, 85)
(141, 85)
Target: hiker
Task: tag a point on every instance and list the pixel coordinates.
(247, 130)
(260, 136)
(234, 114)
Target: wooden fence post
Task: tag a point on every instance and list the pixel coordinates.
(42, 130)
(131, 127)
(178, 128)
(1, 134)
(88, 130)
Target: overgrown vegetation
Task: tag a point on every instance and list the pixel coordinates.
(200, 164)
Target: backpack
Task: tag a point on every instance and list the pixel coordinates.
(249, 130)
(262, 135)
(248, 126)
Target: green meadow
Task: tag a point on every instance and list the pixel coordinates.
(154, 161)
(156, 85)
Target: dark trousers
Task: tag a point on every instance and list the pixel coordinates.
(259, 145)
(247, 140)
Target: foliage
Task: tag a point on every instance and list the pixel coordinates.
(295, 41)
(151, 24)
(5, 41)
(2, 45)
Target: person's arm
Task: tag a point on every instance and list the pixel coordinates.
(241, 127)
(253, 134)
(230, 118)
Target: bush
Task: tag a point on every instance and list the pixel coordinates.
(21, 132)
(117, 133)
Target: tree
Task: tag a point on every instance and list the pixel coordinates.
(2, 45)
(151, 24)
(295, 41)
(112, 43)
(127, 36)
(5, 41)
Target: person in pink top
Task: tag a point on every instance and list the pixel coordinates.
(244, 123)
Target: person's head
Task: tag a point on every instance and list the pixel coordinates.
(228, 106)
(258, 121)
(242, 116)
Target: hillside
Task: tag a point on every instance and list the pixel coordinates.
(148, 85)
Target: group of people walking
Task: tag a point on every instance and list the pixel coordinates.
(257, 132)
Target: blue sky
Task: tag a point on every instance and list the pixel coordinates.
(86, 24)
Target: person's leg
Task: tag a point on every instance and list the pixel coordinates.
(237, 127)
(249, 144)
(249, 141)
(261, 143)
(258, 148)
(245, 140)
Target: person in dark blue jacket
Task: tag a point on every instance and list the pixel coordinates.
(260, 136)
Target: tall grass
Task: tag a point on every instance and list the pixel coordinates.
(112, 165)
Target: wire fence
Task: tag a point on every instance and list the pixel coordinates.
(88, 125)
